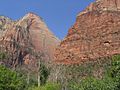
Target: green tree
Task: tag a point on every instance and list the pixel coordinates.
(3, 55)
(10, 80)
(44, 74)
(115, 70)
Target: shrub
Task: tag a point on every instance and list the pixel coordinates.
(10, 80)
(48, 86)
(3, 55)
(109, 81)
(115, 70)
(91, 83)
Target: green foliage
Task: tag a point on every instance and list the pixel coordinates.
(77, 72)
(48, 86)
(115, 70)
(99, 75)
(44, 73)
(109, 81)
(3, 55)
(10, 80)
(91, 83)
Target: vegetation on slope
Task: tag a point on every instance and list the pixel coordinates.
(102, 74)
(10, 80)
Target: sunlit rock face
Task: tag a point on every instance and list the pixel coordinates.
(95, 34)
(24, 38)
(103, 5)
(5, 23)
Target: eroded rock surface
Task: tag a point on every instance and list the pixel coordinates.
(95, 34)
(24, 38)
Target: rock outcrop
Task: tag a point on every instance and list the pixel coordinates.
(103, 5)
(95, 34)
(5, 24)
(24, 38)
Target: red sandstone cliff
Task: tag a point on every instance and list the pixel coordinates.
(25, 38)
(95, 34)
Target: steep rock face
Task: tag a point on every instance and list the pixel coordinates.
(25, 38)
(5, 23)
(41, 37)
(103, 5)
(95, 34)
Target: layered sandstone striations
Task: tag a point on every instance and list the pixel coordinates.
(25, 38)
(95, 34)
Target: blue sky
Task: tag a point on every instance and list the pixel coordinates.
(59, 15)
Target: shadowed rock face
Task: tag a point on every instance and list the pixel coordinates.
(95, 34)
(26, 37)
